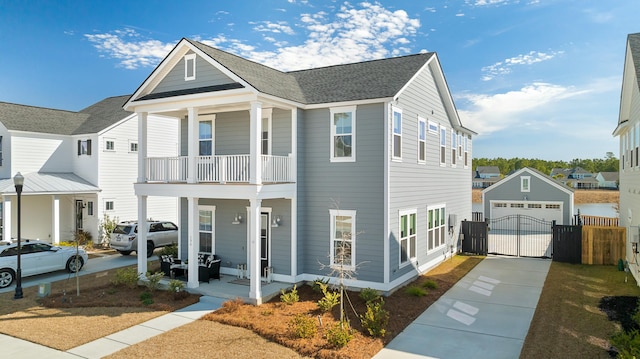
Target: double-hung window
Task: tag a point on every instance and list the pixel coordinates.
(343, 238)
(109, 144)
(525, 184)
(466, 151)
(189, 67)
(454, 145)
(205, 135)
(397, 133)
(443, 146)
(206, 221)
(422, 140)
(343, 133)
(408, 228)
(435, 226)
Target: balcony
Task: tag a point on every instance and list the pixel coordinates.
(218, 169)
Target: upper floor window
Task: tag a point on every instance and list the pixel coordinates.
(265, 144)
(109, 145)
(343, 238)
(133, 146)
(443, 145)
(466, 151)
(0, 150)
(84, 147)
(460, 145)
(189, 67)
(422, 140)
(454, 145)
(433, 127)
(205, 138)
(525, 184)
(343, 131)
(397, 133)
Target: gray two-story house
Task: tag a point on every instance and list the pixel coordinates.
(363, 166)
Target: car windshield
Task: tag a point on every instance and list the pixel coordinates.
(122, 229)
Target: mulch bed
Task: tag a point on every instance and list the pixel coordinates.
(621, 309)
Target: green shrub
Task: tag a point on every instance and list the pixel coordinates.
(127, 277)
(170, 250)
(303, 327)
(330, 299)
(289, 297)
(415, 291)
(153, 280)
(146, 298)
(430, 284)
(106, 227)
(176, 285)
(318, 284)
(369, 295)
(375, 319)
(628, 343)
(339, 335)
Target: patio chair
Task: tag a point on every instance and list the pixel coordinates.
(165, 266)
(211, 269)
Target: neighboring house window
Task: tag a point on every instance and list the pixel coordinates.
(90, 208)
(453, 148)
(190, 67)
(500, 205)
(343, 129)
(84, 147)
(0, 152)
(109, 205)
(517, 205)
(422, 140)
(525, 184)
(466, 151)
(408, 228)
(433, 127)
(534, 205)
(443, 146)
(343, 238)
(206, 229)
(205, 138)
(397, 133)
(133, 146)
(109, 145)
(552, 206)
(435, 226)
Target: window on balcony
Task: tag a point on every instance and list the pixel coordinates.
(343, 130)
(206, 138)
(397, 134)
(265, 144)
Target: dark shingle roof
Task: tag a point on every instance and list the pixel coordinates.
(358, 81)
(103, 114)
(634, 45)
(38, 119)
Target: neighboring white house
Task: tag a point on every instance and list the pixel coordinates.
(608, 180)
(628, 130)
(78, 167)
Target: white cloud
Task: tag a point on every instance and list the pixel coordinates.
(505, 67)
(355, 33)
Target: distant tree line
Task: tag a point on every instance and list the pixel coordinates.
(507, 165)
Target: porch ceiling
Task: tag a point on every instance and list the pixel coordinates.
(49, 183)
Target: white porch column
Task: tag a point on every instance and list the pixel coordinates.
(255, 166)
(6, 219)
(193, 223)
(142, 146)
(55, 216)
(141, 251)
(193, 149)
(255, 292)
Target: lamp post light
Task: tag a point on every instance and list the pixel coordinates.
(18, 181)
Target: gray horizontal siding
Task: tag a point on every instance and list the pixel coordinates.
(206, 75)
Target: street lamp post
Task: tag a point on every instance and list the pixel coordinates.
(18, 181)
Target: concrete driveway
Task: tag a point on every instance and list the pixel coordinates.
(485, 315)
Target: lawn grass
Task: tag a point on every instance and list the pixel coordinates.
(567, 322)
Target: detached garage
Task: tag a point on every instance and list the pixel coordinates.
(531, 193)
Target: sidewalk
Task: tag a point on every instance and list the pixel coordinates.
(485, 315)
(21, 349)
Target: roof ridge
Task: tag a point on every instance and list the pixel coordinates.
(360, 62)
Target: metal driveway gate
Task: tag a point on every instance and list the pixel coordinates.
(520, 235)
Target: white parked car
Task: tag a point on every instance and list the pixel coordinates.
(36, 258)
(124, 237)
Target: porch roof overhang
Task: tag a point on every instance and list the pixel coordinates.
(38, 183)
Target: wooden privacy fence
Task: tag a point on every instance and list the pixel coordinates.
(603, 245)
(599, 221)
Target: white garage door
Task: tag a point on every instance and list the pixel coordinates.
(548, 211)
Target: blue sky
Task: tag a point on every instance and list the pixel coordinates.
(535, 78)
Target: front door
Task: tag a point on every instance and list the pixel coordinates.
(79, 217)
(265, 242)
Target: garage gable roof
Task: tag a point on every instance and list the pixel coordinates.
(533, 172)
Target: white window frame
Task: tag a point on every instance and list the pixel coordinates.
(454, 148)
(433, 127)
(266, 115)
(436, 229)
(443, 146)
(189, 64)
(410, 238)
(459, 146)
(207, 118)
(466, 151)
(107, 142)
(396, 156)
(131, 146)
(109, 205)
(211, 209)
(333, 214)
(90, 209)
(422, 140)
(338, 110)
(525, 183)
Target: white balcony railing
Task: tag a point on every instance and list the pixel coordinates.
(220, 169)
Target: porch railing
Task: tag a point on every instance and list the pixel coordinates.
(218, 168)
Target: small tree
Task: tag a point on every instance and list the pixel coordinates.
(107, 225)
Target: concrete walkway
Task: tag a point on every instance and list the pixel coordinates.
(21, 349)
(485, 315)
